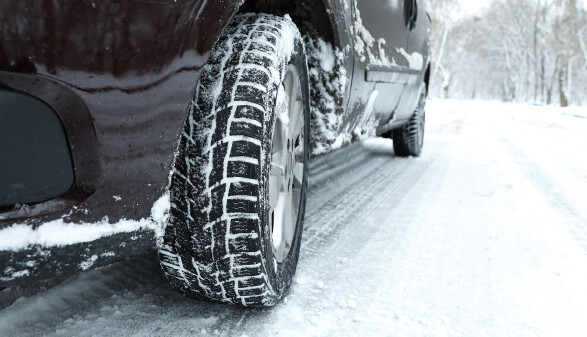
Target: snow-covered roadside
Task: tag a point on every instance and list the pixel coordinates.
(553, 138)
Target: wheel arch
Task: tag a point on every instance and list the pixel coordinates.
(313, 18)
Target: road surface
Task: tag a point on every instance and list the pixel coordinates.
(484, 235)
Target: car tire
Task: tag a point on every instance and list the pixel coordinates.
(238, 184)
(409, 139)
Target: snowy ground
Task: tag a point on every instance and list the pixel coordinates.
(485, 235)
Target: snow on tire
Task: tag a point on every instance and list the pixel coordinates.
(220, 243)
(409, 139)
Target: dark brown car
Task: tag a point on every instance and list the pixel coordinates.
(188, 125)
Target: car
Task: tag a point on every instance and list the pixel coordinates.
(189, 125)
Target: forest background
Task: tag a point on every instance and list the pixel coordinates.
(511, 50)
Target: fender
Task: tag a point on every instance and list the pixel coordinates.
(119, 75)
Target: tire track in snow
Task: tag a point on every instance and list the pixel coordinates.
(324, 222)
(551, 190)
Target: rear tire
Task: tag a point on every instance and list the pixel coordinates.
(240, 167)
(409, 139)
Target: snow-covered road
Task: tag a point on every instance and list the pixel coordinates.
(485, 235)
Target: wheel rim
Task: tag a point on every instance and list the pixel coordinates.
(287, 164)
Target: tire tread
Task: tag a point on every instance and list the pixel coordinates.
(217, 255)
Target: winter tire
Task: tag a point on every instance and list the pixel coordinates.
(238, 187)
(409, 139)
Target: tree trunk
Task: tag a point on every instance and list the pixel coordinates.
(561, 87)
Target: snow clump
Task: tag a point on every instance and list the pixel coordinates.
(328, 82)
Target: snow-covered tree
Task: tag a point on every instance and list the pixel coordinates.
(522, 50)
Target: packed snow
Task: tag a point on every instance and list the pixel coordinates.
(415, 59)
(52, 233)
(328, 82)
(484, 235)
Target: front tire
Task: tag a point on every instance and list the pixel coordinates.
(238, 186)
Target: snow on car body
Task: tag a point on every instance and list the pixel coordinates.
(130, 150)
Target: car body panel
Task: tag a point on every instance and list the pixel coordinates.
(98, 65)
(418, 51)
(382, 82)
(384, 21)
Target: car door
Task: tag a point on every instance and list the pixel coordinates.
(417, 54)
(380, 36)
